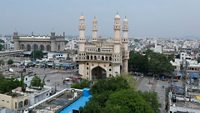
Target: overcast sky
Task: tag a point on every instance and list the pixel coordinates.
(147, 18)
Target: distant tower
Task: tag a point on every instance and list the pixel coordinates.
(16, 41)
(94, 29)
(125, 45)
(53, 41)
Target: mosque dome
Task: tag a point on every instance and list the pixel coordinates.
(125, 20)
(82, 17)
(117, 16)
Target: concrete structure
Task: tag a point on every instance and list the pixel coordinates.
(18, 100)
(44, 43)
(3, 54)
(14, 102)
(101, 58)
(192, 65)
(72, 45)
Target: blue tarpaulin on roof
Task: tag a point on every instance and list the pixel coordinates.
(194, 75)
(78, 103)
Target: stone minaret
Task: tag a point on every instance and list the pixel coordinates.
(94, 29)
(117, 28)
(81, 43)
(117, 57)
(82, 34)
(125, 45)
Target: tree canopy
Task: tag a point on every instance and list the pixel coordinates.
(10, 62)
(114, 95)
(37, 54)
(1, 47)
(83, 84)
(2, 62)
(150, 62)
(6, 85)
(36, 82)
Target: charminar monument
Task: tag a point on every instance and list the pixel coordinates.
(101, 58)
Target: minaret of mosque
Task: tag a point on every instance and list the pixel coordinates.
(94, 29)
(117, 28)
(125, 45)
(117, 54)
(117, 36)
(82, 34)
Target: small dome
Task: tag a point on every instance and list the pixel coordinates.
(125, 20)
(82, 17)
(117, 16)
(94, 19)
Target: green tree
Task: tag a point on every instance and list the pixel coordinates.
(138, 62)
(1, 47)
(2, 41)
(152, 99)
(10, 62)
(150, 62)
(37, 54)
(2, 62)
(127, 101)
(114, 95)
(36, 82)
(198, 59)
(83, 84)
(6, 85)
(109, 84)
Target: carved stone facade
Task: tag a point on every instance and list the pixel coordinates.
(101, 58)
(44, 43)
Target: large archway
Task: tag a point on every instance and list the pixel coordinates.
(98, 73)
(28, 48)
(42, 47)
(35, 47)
(22, 47)
(48, 48)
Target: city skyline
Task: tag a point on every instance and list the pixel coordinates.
(172, 18)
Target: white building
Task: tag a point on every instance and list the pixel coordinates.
(192, 65)
(72, 45)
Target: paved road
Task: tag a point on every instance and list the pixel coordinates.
(54, 78)
(150, 84)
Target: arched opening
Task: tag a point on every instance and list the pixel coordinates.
(91, 57)
(58, 47)
(20, 104)
(102, 58)
(48, 48)
(98, 73)
(28, 48)
(106, 58)
(22, 47)
(110, 58)
(95, 57)
(87, 57)
(26, 102)
(42, 47)
(35, 47)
